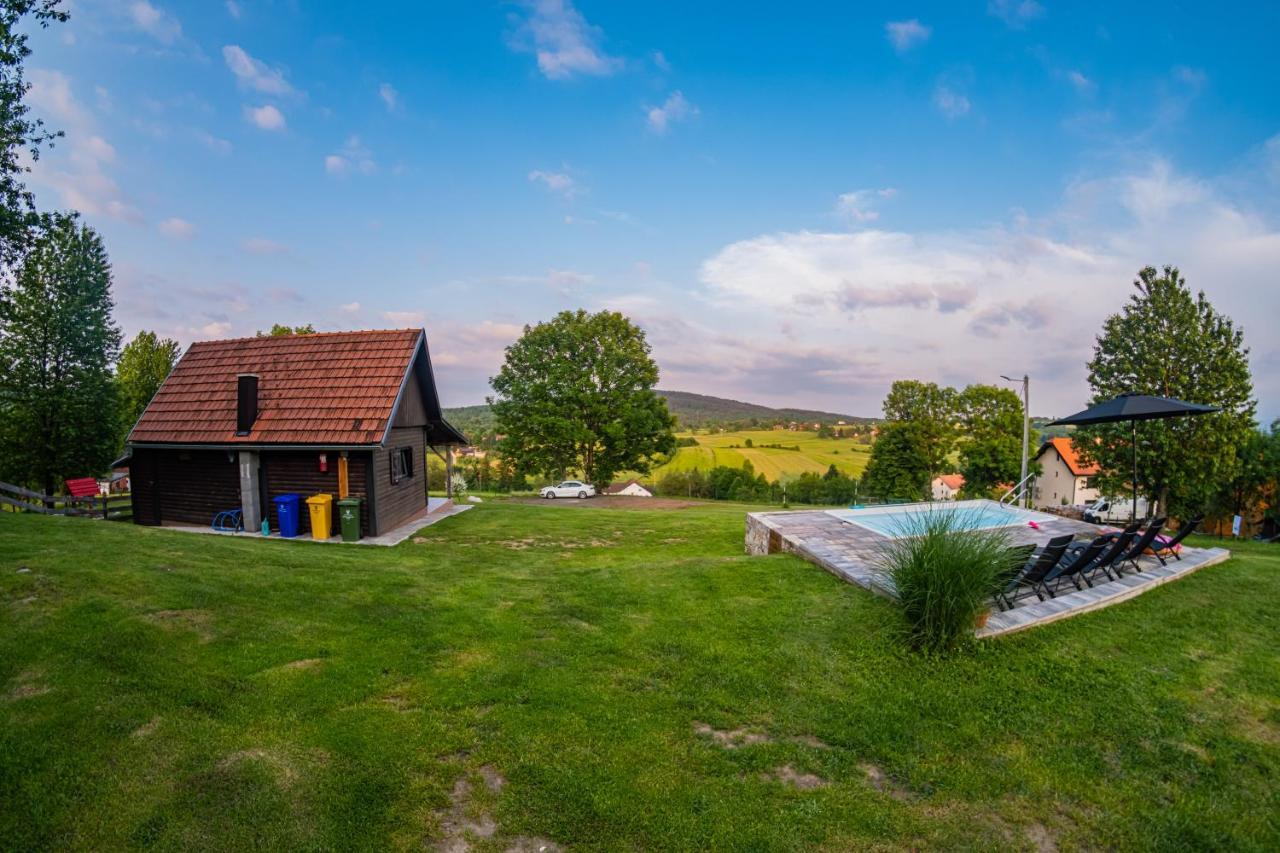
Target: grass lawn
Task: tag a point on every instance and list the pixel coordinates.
(596, 678)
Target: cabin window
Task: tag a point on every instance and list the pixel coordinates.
(401, 464)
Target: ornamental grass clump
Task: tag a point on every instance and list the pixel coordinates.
(945, 573)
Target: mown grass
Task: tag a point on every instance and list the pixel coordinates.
(177, 691)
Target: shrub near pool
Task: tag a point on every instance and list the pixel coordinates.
(945, 572)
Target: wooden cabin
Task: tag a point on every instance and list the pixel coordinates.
(239, 422)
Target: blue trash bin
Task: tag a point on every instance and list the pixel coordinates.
(287, 507)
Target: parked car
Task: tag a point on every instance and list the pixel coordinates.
(569, 489)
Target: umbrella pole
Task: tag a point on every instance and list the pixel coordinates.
(1135, 472)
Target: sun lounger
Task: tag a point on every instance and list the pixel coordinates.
(1031, 579)
(1074, 564)
(1143, 543)
(1163, 547)
(1120, 543)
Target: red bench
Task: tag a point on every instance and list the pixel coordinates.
(82, 487)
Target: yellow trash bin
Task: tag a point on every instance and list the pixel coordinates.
(321, 507)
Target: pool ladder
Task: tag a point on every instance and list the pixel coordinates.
(1018, 492)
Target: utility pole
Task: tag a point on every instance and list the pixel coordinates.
(1026, 433)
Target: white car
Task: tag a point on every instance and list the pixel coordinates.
(569, 489)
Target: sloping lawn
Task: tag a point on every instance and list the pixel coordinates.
(615, 679)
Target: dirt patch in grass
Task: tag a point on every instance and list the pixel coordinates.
(199, 622)
(877, 779)
(788, 775)
(731, 738)
(27, 685)
(284, 767)
(463, 823)
(525, 844)
(305, 663)
(811, 742)
(146, 729)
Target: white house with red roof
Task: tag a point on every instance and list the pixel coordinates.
(631, 489)
(1064, 479)
(947, 486)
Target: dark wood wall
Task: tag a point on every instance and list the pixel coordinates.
(188, 486)
(396, 504)
(191, 486)
(298, 472)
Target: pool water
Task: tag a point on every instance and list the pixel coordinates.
(899, 520)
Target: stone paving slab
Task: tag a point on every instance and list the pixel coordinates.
(850, 553)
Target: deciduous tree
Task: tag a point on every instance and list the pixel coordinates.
(575, 394)
(144, 363)
(932, 411)
(19, 133)
(991, 448)
(1173, 343)
(58, 415)
(899, 463)
(278, 329)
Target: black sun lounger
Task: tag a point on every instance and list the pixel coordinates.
(1032, 578)
(1144, 542)
(1170, 547)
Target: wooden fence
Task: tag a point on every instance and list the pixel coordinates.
(17, 499)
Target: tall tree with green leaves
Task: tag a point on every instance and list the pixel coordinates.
(932, 410)
(991, 446)
(1173, 343)
(19, 133)
(144, 363)
(280, 329)
(576, 395)
(899, 465)
(58, 406)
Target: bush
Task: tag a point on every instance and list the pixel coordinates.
(945, 573)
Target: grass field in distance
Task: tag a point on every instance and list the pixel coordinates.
(728, 448)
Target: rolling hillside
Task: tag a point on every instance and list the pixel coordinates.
(692, 410)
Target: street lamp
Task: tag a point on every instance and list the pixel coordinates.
(1026, 427)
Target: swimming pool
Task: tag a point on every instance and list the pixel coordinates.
(899, 519)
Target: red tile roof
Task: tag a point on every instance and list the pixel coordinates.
(328, 388)
(1067, 450)
(952, 481)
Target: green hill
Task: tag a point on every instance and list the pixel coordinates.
(693, 411)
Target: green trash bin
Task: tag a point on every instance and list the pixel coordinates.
(349, 519)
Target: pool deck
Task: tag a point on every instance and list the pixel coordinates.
(849, 552)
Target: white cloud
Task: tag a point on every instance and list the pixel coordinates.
(858, 206)
(390, 97)
(567, 280)
(215, 330)
(558, 182)
(660, 61)
(178, 229)
(1082, 84)
(1025, 296)
(1015, 13)
(155, 22)
(233, 9)
(350, 308)
(949, 102)
(563, 42)
(904, 35)
(78, 171)
(406, 319)
(676, 108)
(263, 246)
(216, 144)
(254, 74)
(1194, 78)
(266, 117)
(352, 157)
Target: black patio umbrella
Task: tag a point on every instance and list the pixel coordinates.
(1134, 408)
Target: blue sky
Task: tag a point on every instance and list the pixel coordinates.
(798, 204)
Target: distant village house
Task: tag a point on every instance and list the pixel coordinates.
(1064, 480)
(947, 486)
